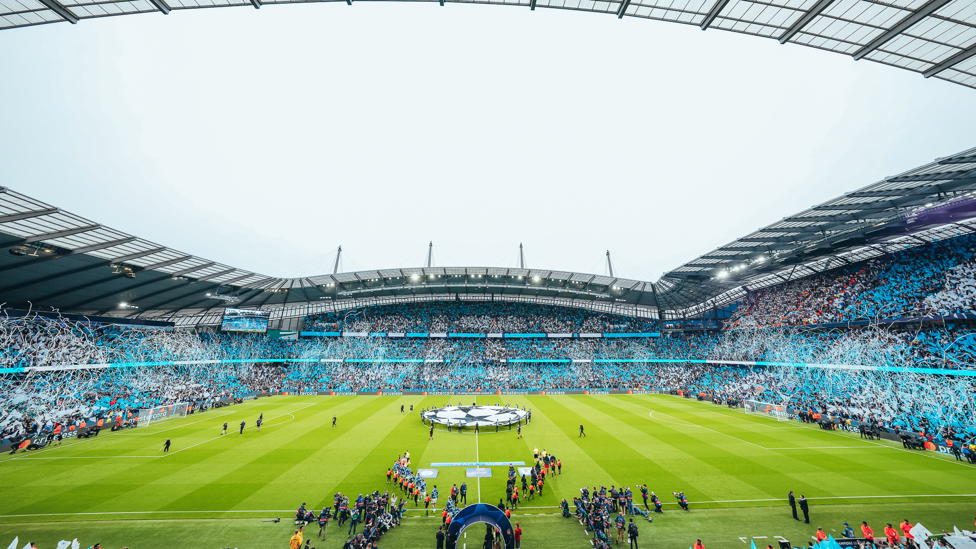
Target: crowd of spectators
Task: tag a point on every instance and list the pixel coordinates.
(32, 405)
(938, 278)
(477, 317)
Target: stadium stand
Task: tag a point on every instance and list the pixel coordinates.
(886, 341)
(477, 317)
(936, 279)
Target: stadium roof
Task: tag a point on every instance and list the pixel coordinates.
(934, 37)
(928, 203)
(63, 261)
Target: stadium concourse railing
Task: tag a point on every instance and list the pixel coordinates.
(892, 369)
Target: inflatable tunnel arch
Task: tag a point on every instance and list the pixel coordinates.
(480, 512)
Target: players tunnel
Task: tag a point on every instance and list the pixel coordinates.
(480, 512)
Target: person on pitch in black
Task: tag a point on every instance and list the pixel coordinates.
(805, 507)
(401, 408)
(242, 427)
(224, 432)
(793, 505)
(323, 521)
(582, 434)
(431, 437)
(165, 447)
(260, 421)
(519, 431)
(440, 538)
(333, 421)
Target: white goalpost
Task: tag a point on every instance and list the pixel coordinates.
(777, 411)
(149, 416)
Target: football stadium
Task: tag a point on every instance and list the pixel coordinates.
(828, 358)
(810, 384)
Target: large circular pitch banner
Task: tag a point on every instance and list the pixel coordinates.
(466, 416)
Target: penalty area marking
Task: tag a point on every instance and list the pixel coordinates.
(892, 445)
(757, 422)
(116, 434)
(546, 507)
(691, 424)
(109, 437)
(28, 458)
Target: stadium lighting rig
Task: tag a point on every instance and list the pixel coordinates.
(221, 297)
(31, 250)
(124, 270)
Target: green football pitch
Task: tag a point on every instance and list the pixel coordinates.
(213, 491)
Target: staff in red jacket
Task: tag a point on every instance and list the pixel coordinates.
(891, 534)
(906, 528)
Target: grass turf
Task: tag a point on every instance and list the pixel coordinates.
(214, 491)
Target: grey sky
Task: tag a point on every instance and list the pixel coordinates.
(264, 139)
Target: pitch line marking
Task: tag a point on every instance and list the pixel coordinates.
(691, 424)
(28, 458)
(420, 510)
(144, 433)
(477, 459)
(756, 422)
(77, 457)
(116, 434)
(685, 424)
(221, 436)
(893, 445)
(76, 442)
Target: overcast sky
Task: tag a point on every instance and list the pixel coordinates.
(264, 139)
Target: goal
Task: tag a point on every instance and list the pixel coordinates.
(149, 416)
(777, 411)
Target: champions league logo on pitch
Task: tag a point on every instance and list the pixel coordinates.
(469, 416)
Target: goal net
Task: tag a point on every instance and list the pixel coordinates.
(777, 411)
(151, 416)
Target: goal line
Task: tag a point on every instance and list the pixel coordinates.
(777, 411)
(151, 416)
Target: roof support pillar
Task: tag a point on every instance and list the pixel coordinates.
(623, 9)
(161, 5)
(713, 13)
(809, 16)
(27, 215)
(57, 8)
(902, 26)
(948, 63)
